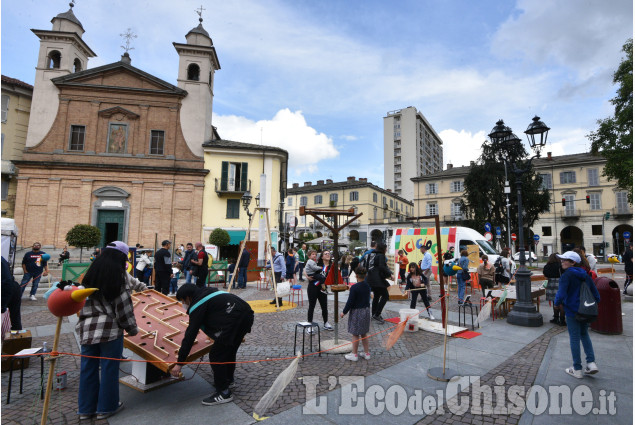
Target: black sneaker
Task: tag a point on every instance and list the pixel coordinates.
(378, 318)
(273, 302)
(217, 398)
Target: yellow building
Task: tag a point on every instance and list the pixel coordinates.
(568, 177)
(235, 168)
(381, 208)
(16, 108)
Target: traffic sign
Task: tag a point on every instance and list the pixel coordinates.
(488, 236)
(498, 231)
(536, 238)
(627, 235)
(488, 227)
(513, 236)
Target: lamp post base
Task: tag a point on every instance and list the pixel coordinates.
(525, 316)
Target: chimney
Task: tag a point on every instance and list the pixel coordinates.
(329, 181)
(320, 182)
(296, 185)
(350, 179)
(307, 184)
(363, 180)
(549, 158)
(450, 166)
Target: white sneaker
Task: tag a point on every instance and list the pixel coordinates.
(309, 331)
(575, 373)
(328, 327)
(365, 356)
(351, 356)
(32, 298)
(430, 316)
(591, 368)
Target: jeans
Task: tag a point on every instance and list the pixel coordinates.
(34, 284)
(579, 332)
(242, 277)
(300, 270)
(461, 284)
(380, 298)
(174, 285)
(188, 277)
(99, 395)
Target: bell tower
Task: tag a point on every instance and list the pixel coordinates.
(197, 64)
(62, 52)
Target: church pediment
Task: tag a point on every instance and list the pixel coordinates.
(118, 75)
(118, 111)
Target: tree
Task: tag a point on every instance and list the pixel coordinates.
(83, 236)
(614, 137)
(219, 237)
(485, 201)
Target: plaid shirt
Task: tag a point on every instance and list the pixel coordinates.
(103, 321)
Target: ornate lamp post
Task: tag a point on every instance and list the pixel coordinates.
(524, 313)
(246, 200)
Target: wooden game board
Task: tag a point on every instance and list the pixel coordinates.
(162, 322)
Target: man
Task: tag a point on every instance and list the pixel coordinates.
(163, 268)
(185, 264)
(224, 317)
(301, 260)
(34, 268)
(11, 297)
(201, 262)
(243, 264)
(627, 259)
(426, 268)
(279, 270)
(593, 262)
(449, 254)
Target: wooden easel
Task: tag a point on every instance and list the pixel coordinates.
(268, 257)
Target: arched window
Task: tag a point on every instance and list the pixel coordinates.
(193, 72)
(77, 65)
(54, 59)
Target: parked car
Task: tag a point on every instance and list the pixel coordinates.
(533, 256)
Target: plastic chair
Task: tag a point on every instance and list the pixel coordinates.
(296, 291)
(263, 281)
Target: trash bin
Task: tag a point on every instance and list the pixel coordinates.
(609, 319)
(413, 319)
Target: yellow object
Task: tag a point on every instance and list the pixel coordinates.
(80, 295)
(258, 417)
(614, 260)
(264, 306)
(457, 268)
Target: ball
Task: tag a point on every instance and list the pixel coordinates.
(46, 257)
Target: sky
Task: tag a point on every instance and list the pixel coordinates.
(316, 77)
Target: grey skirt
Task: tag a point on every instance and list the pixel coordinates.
(359, 321)
(552, 288)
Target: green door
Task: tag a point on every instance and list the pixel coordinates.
(110, 224)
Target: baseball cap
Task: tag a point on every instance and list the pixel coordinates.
(119, 246)
(165, 242)
(571, 256)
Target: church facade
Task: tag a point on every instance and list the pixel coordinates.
(114, 146)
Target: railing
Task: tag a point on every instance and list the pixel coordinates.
(220, 192)
(571, 213)
(376, 220)
(454, 217)
(622, 211)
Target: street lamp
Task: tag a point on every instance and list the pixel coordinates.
(524, 313)
(246, 200)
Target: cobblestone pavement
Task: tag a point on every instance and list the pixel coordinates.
(271, 337)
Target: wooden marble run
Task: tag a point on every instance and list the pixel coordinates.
(162, 322)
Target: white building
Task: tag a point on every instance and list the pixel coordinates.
(411, 149)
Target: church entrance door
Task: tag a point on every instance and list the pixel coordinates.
(111, 225)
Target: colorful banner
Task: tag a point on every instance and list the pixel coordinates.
(411, 240)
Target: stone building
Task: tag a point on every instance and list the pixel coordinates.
(115, 146)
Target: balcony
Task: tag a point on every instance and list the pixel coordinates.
(621, 211)
(377, 220)
(453, 218)
(571, 214)
(220, 192)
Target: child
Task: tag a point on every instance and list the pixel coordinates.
(415, 281)
(290, 266)
(403, 265)
(230, 271)
(176, 273)
(358, 304)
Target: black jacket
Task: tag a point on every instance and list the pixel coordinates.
(219, 317)
(189, 255)
(243, 262)
(552, 270)
(160, 258)
(378, 270)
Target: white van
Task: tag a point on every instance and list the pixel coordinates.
(411, 239)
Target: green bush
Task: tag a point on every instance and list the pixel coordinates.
(83, 236)
(219, 237)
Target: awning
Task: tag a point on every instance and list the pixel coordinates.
(236, 236)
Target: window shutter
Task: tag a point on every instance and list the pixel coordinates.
(223, 176)
(243, 177)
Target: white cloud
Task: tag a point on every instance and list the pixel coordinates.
(565, 141)
(287, 130)
(348, 137)
(459, 148)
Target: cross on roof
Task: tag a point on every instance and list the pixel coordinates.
(199, 12)
(128, 36)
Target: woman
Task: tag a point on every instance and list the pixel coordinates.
(568, 296)
(345, 267)
(552, 271)
(102, 321)
(508, 267)
(315, 277)
(142, 263)
(486, 274)
(65, 255)
(358, 304)
(378, 272)
(414, 283)
(290, 266)
(463, 275)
